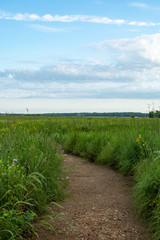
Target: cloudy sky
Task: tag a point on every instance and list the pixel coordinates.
(79, 55)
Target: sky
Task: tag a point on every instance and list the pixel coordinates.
(79, 56)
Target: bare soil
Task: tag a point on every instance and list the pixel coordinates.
(100, 206)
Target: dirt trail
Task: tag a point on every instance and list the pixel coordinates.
(100, 206)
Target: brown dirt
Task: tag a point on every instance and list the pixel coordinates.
(100, 206)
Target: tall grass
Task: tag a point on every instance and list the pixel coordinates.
(132, 146)
(30, 169)
(129, 145)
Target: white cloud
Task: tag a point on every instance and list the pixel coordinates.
(47, 18)
(140, 49)
(142, 24)
(145, 6)
(71, 18)
(18, 17)
(43, 28)
(139, 5)
(134, 74)
(23, 17)
(82, 81)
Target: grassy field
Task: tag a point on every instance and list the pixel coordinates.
(31, 174)
(31, 167)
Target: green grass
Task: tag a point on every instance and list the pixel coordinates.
(30, 170)
(130, 146)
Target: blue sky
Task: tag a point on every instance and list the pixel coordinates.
(79, 55)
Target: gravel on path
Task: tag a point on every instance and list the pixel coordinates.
(100, 206)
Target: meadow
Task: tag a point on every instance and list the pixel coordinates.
(31, 165)
(31, 175)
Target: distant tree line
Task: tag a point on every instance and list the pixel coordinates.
(154, 114)
(83, 114)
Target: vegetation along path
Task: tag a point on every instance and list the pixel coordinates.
(100, 206)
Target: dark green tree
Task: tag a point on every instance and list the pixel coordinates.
(151, 114)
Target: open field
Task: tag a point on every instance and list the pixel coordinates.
(31, 167)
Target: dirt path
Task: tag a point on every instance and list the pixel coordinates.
(100, 206)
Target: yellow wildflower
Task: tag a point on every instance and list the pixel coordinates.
(138, 138)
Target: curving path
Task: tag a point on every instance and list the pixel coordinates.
(100, 206)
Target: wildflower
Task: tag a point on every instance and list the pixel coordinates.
(154, 202)
(15, 160)
(138, 138)
(67, 177)
(65, 160)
